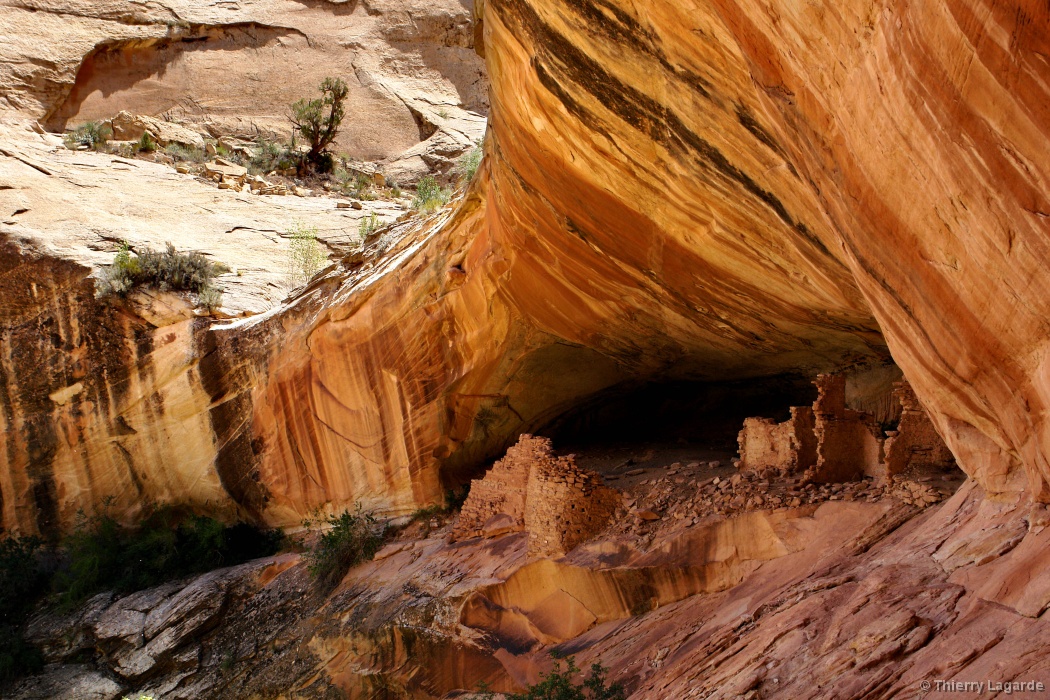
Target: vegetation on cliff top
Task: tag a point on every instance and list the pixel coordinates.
(306, 256)
(165, 270)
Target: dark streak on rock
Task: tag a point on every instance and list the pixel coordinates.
(748, 121)
(235, 460)
(559, 55)
(623, 30)
(130, 462)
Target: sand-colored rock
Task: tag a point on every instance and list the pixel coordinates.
(233, 69)
(131, 127)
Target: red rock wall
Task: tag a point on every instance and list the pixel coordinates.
(702, 190)
(898, 147)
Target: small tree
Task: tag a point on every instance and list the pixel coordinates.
(318, 120)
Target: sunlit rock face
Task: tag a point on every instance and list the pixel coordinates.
(689, 190)
(735, 172)
(233, 68)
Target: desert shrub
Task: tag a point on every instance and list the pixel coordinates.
(318, 121)
(169, 269)
(369, 224)
(355, 184)
(306, 257)
(101, 554)
(350, 539)
(118, 278)
(188, 154)
(430, 195)
(22, 578)
(270, 156)
(165, 270)
(363, 187)
(146, 143)
(210, 298)
(470, 161)
(557, 685)
(94, 135)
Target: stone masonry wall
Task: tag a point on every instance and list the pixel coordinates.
(831, 443)
(501, 490)
(532, 489)
(766, 444)
(565, 506)
(849, 443)
(915, 442)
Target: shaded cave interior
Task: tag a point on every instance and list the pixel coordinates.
(660, 422)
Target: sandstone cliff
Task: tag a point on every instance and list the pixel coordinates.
(685, 191)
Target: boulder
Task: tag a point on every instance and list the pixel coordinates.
(130, 127)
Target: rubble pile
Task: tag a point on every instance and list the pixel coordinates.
(686, 496)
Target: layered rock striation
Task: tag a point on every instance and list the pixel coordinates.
(686, 191)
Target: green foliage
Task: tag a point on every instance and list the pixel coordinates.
(351, 539)
(306, 257)
(358, 185)
(559, 686)
(453, 502)
(146, 143)
(318, 120)
(210, 298)
(103, 555)
(270, 156)
(21, 580)
(167, 269)
(17, 657)
(470, 161)
(94, 135)
(188, 154)
(430, 195)
(369, 225)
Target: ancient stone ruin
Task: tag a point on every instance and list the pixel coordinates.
(831, 443)
(533, 490)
